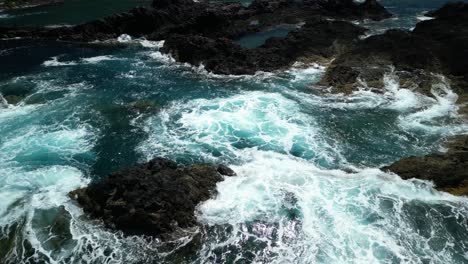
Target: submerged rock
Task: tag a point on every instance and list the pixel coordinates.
(153, 199)
(448, 171)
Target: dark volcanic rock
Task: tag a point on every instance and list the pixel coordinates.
(449, 39)
(434, 46)
(152, 198)
(204, 18)
(219, 55)
(449, 10)
(449, 171)
(317, 39)
(204, 32)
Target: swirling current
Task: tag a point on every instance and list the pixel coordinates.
(308, 188)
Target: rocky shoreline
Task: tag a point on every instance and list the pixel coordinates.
(448, 171)
(436, 46)
(158, 197)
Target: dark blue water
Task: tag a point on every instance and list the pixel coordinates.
(308, 188)
(67, 13)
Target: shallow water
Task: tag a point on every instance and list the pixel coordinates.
(308, 188)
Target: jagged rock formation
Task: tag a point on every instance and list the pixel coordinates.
(448, 171)
(204, 18)
(434, 46)
(318, 39)
(154, 198)
(205, 32)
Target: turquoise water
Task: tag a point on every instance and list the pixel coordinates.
(308, 188)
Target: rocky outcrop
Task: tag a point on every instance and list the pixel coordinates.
(153, 199)
(205, 18)
(318, 39)
(204, 32)
(434, 46)
(448, 171)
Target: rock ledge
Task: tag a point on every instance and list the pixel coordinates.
(153, 198)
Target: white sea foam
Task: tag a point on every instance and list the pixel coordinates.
(53, 62)
(209, 128)
(306, 214)
(422, 17)
(280, 208)
(151, 44)
(10, 112)
(306, 72)
(162, 58)
(124, 38)
(430, 118)
(36, 142)
(28, 188)
(97, 59)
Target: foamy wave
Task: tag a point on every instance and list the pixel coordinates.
(431, 118)
(97, 59)
(223, 126)
(293, 210)
(306, 72)
(151, 44)
(298, 73)
(54, 62)
(422, 17)
(162, 58)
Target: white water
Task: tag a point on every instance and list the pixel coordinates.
(219, 127)
(296, 198)
(337, 217)
(54, 61)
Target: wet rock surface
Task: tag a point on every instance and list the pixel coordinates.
(448, 171)
(318, 39)
(205, 32)
(204, 18)
(434, 46)
(154, 198)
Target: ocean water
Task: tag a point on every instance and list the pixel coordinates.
(67, 13)
(308, 188)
